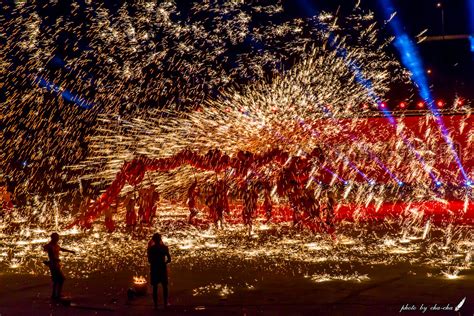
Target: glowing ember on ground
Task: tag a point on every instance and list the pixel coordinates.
(222, 290)
(326, 277)
(357, 243)
(139, 280)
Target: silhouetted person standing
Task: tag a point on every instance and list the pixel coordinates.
(159, 257)
(54, 264)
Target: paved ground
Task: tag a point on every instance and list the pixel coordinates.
(371, 269)
(389, 288)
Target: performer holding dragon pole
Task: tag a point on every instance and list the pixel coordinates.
(222, 202)
(193, 193)
(250, 198)
(267, 201)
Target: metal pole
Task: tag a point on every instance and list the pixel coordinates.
(442, 22)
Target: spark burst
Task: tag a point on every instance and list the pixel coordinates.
(266, 114)
(124, 71)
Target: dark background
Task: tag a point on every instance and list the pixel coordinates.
(451, 62)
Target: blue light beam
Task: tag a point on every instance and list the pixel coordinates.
(65, 94)
(470, 4)
(413, 62)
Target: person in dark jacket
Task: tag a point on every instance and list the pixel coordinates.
(158, 257)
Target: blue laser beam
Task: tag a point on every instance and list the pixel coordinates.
(339, 154)
(470, 5)
(412, 61)
(335, 175)
(367, 84)
(371, 153)
(64, 93)
(353, 166)
(301, 121)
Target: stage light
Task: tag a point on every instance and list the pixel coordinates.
(400, 183)
(440, 103)
(439, 5)
(429, 71)
(383, 105)
(371, 182)
(438, 183)
(469, 183)
(403, 105)
(420, 104)
(460, 102)
(411, 59)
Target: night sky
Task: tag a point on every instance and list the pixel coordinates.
(451, 62)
